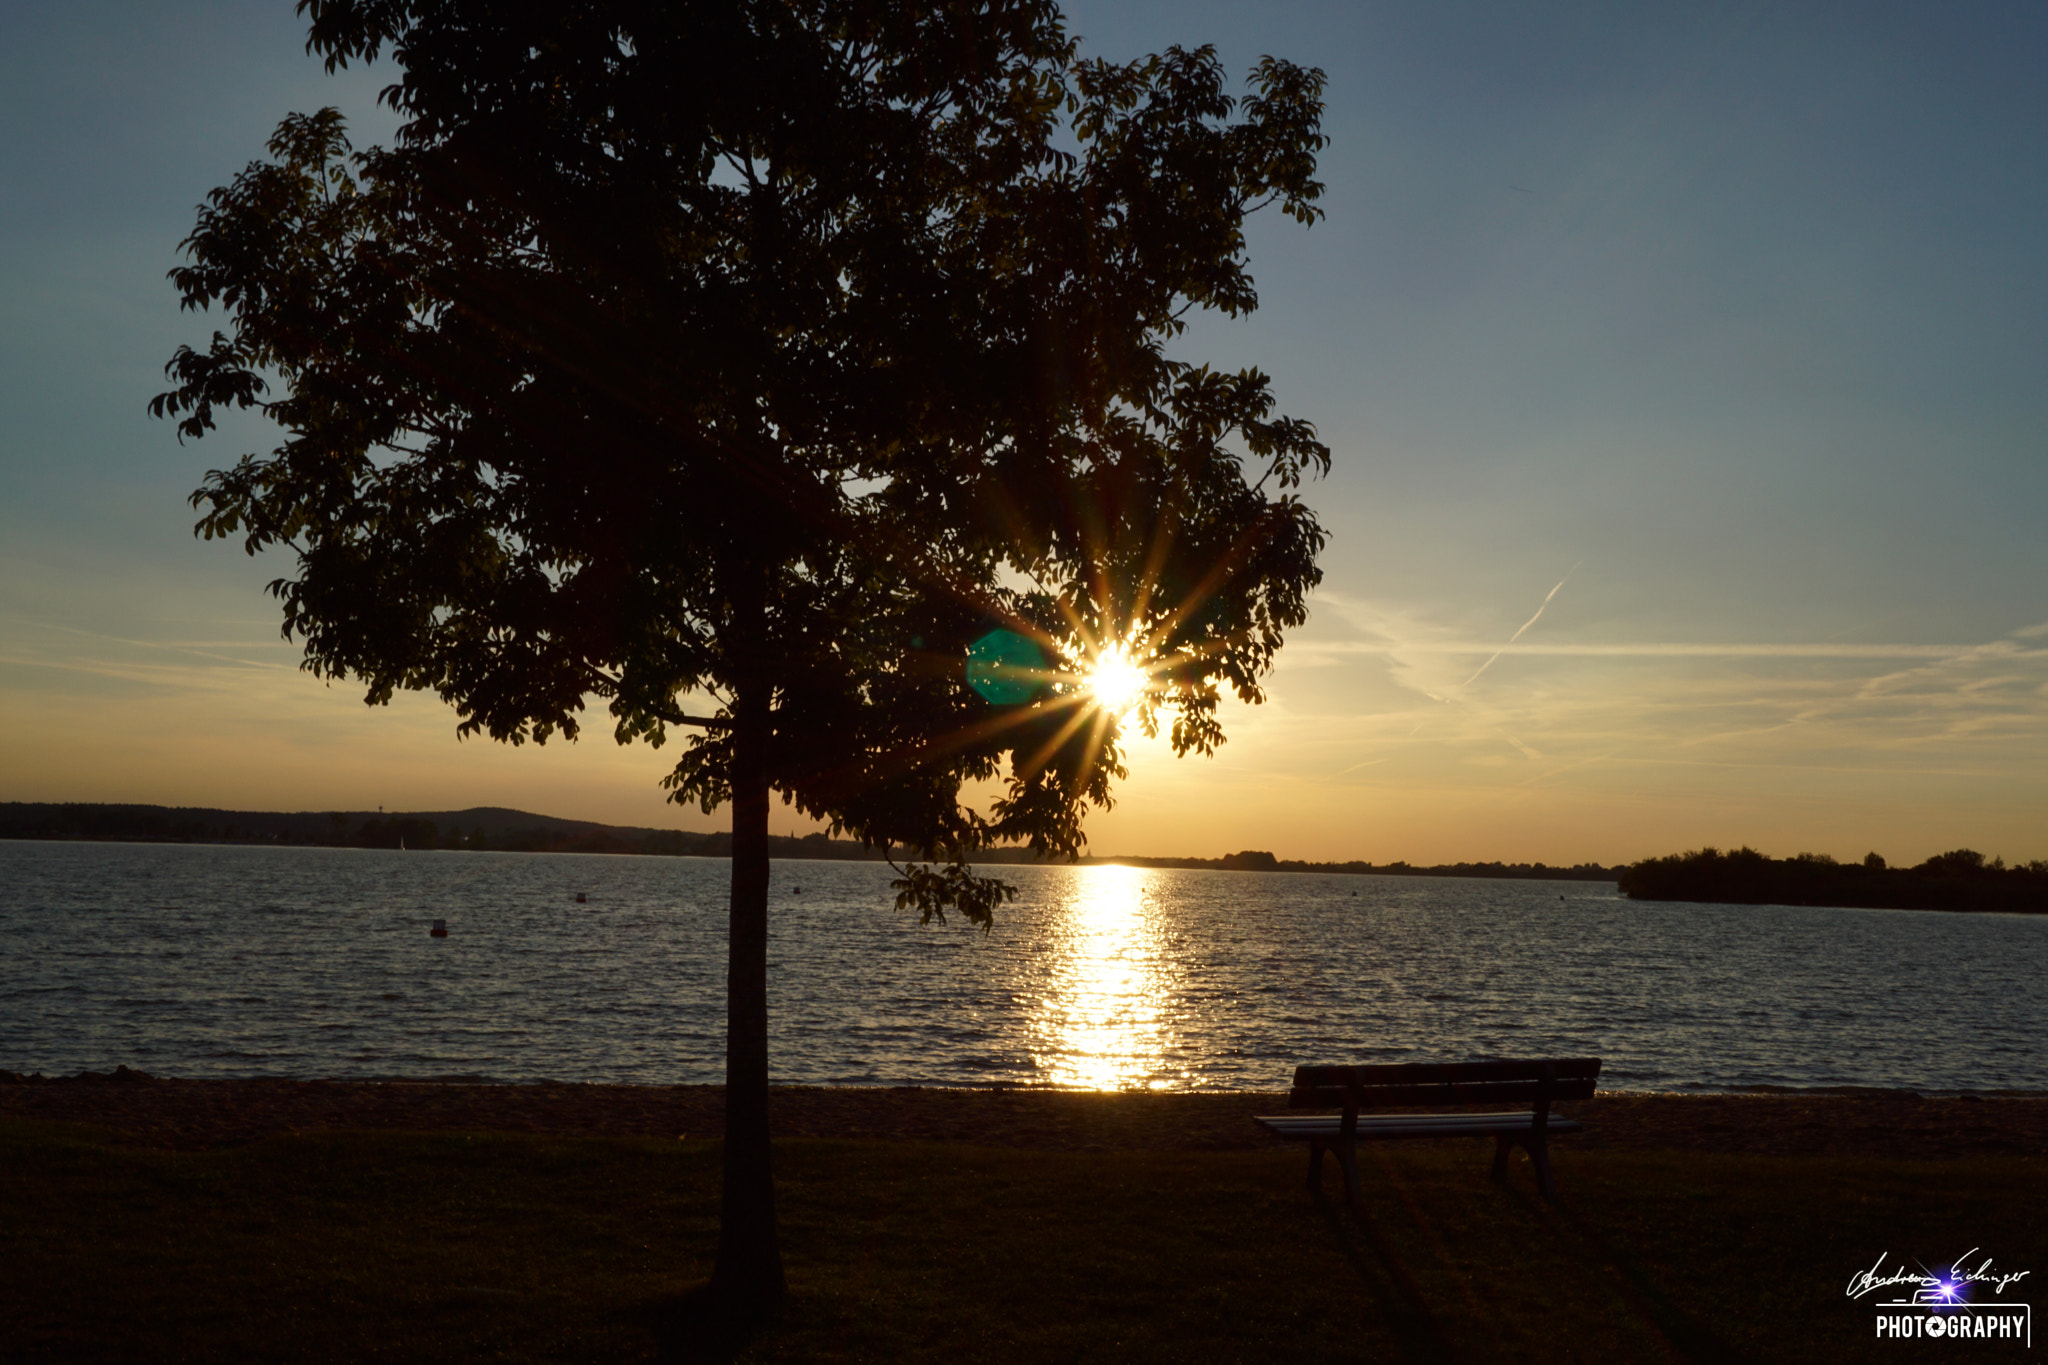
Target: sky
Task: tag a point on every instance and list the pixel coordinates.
(1685, 366)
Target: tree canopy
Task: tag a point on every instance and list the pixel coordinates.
(737, 365)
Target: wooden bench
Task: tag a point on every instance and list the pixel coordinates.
(1355, 1088)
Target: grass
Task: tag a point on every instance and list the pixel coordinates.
(488, 1247)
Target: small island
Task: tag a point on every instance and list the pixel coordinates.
(1962, 879)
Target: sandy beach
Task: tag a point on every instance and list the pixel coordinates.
(133, 1109)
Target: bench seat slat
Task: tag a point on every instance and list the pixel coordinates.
(1410, 1125)
(1310, 1120)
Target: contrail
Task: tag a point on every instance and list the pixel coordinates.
(1525, 626)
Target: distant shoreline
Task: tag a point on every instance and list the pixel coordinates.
(498, 829)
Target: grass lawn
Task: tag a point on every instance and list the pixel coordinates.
(449, 1247)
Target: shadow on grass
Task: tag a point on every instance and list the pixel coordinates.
(703, 1327)
(1364, 1245)
(1684, 1337)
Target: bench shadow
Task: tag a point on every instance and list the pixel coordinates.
(700, 1327)
(1685, 1336)
(1362, 1241)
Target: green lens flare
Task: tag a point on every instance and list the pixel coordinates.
(1005, 668)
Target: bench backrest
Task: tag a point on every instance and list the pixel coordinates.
(1443, 1083)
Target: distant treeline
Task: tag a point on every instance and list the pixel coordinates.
(1962, 879)
(1254, 861)
(497, 829)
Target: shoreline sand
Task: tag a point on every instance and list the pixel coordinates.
(132, 1109)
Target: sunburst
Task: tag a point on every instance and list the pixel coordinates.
(1116, 681)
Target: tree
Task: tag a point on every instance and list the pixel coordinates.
(774, 351)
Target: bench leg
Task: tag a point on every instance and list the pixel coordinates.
(1347, 1165)
(1539, 1154)
(1347, 1161)
(1539, 1157)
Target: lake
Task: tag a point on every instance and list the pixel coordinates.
(223, 961)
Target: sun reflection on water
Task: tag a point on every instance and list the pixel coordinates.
(1104, 1021)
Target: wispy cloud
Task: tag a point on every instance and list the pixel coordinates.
(1654, 649)
(58, 661)
(1824, 705)
(1541, 607)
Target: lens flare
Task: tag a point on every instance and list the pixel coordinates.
(1116, 682)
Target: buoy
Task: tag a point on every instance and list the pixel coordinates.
(440, 929)
(582, 899)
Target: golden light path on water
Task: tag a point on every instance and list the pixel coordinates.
(1104, 1021)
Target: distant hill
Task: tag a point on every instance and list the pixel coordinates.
(480, 827)
(497, 829)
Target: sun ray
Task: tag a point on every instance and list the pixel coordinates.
(1091, 754)
(1222, 571)
(1050, 747)
(1155, 560)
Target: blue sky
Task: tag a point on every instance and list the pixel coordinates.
(1729, 319)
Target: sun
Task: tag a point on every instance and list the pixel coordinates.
(1115, 682)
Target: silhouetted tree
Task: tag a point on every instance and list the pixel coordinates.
(774, 352)
(1960, 879)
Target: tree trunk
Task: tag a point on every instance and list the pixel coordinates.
(748, 1274)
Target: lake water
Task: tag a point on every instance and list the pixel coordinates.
(211, 961)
